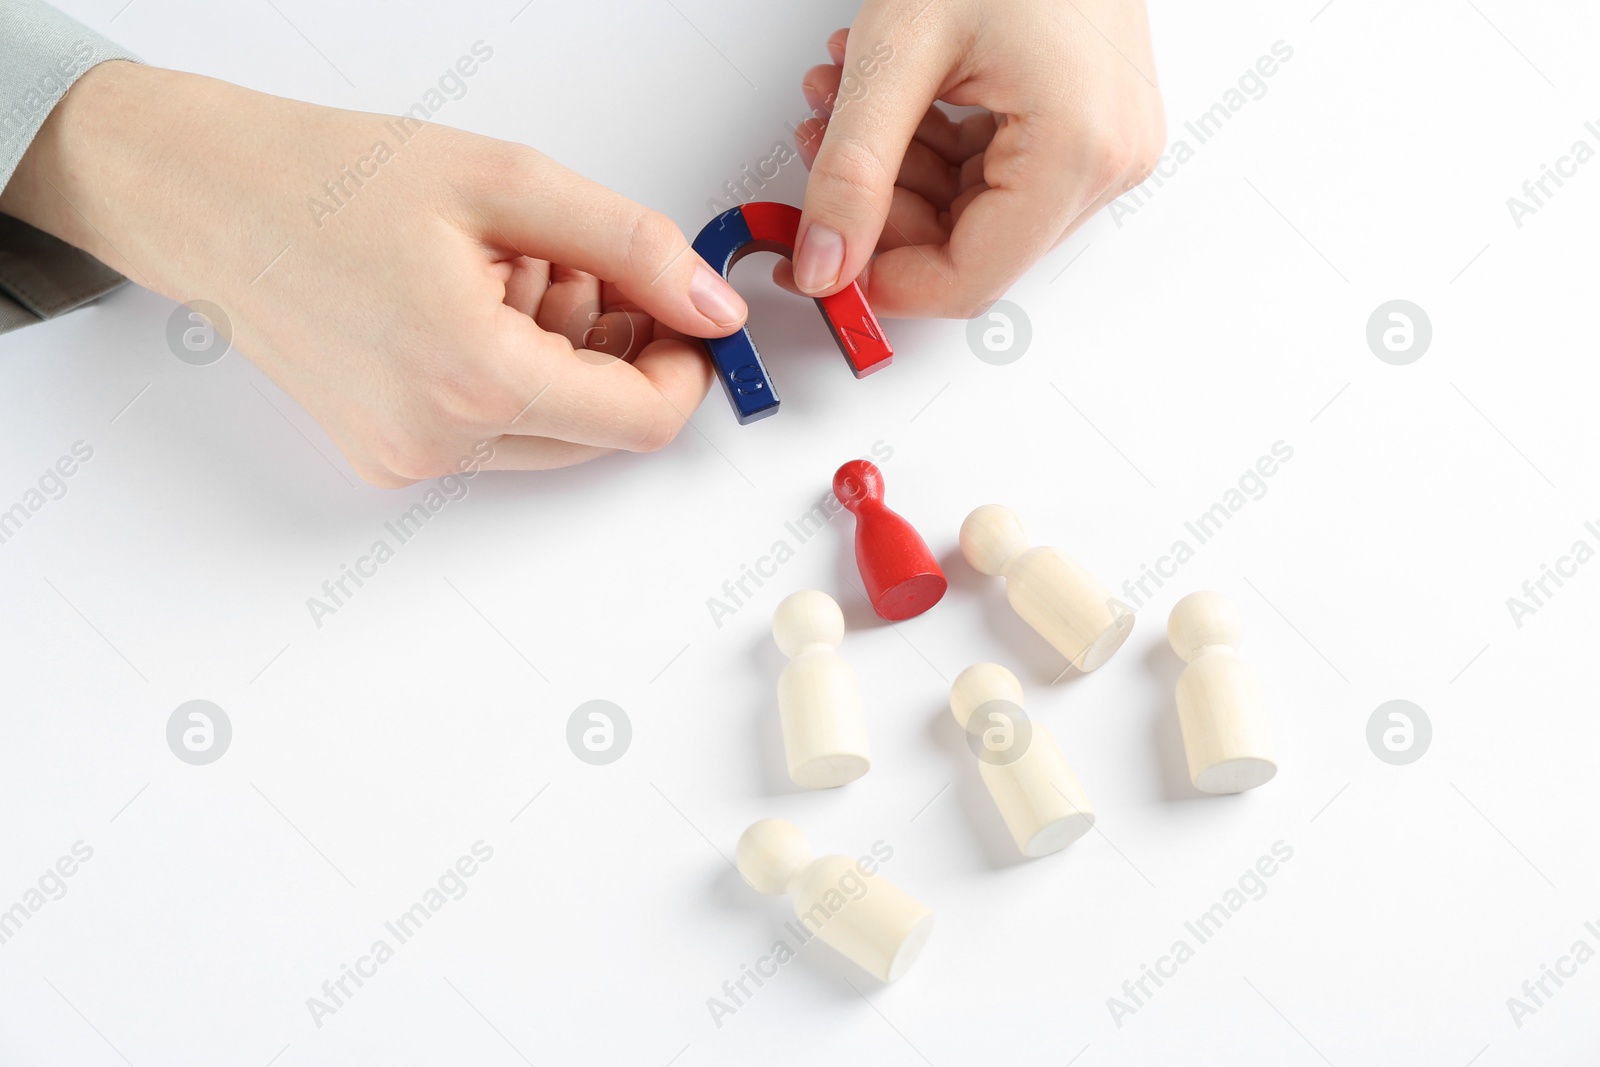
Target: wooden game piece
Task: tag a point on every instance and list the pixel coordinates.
(768, 227)
(846, 903)
(1220, 706)
(901, 575)
(1049, 589)
(819, 702)
(1044, 806)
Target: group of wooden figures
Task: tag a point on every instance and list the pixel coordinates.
(1221, 712)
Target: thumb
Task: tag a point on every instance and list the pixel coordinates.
(887, 83)
(545, 211)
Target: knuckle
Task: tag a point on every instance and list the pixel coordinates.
(1155, 130)
(405, 457)
(1138, 170)
(972, 305)
(656, 436)
(520, 167)
(1122, 149)
(468, 392)
(380, 477)
(1111, 157)
(653, 241)
(850, 166)
(466, 402)
(1148, 148)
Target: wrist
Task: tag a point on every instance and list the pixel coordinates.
(79, 179)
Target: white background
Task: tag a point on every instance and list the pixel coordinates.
(1168, 353)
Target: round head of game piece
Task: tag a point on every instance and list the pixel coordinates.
(771, 852)
(806, 618)
(978, 685)
(858, 481)
(992, 537)
(1202, 620)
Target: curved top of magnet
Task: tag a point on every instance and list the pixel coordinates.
(770, 227)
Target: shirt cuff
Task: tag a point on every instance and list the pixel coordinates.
(42, 53)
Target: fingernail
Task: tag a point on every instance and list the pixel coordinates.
(836, 53)
(820, 259)
(715, 298)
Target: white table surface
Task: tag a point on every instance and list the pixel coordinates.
(1171, 348)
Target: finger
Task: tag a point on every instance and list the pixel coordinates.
(607, 403)
(783, 277)
(545, 211)
(959, 205)
(836, 45)
(526, 284)
(808, 140)
(912, 221)
(925, 172)
(971, 174)
(818, 86)
(619, 334)
(649, 330)
(955, 142)
(571, 306)
(1023, 202)
(923, 169)
(614, 299)
(623, 329)
(851, 187)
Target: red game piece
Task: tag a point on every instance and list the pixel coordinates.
(902, 577)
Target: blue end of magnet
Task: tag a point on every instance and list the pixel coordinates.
(739, 366)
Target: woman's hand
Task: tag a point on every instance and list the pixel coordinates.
(435, 299)
(957, 211)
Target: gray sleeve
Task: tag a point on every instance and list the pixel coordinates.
(42, 52)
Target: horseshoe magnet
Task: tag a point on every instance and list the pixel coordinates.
(766, 227)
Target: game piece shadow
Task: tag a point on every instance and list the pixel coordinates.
(1032, 659)
(859, 613)
(764, 722)
(978, 810)
(1166, 736)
